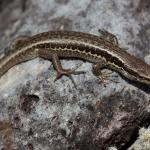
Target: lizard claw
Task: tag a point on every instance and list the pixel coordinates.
(68, 73)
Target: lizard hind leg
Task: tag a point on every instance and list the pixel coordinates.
(108, 36)
(61, 71)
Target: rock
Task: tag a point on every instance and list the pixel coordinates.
(38, 113)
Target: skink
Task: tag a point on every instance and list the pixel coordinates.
(103, 51)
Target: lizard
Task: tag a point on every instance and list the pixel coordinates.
(102, 51)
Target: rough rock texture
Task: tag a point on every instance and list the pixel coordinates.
(143, 141)
(38, 113)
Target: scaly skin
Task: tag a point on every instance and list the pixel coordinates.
(101, 51)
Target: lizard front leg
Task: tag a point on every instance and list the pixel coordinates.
(97, 71)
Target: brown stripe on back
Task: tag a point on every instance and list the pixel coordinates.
(69, 35)
(87, 49)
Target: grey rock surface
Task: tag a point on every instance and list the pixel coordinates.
(38, 113)
(143, 142)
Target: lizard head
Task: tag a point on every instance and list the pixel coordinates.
(143, 71)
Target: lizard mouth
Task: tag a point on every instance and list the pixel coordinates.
(145, 80)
